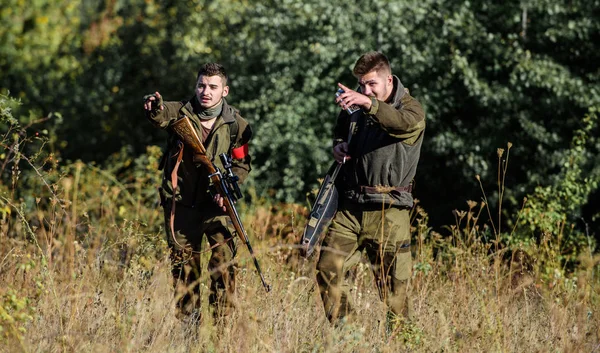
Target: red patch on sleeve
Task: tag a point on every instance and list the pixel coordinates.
(240, 152)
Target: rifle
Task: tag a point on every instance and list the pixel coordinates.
(322, 212)
(326, 203)
(225, 185)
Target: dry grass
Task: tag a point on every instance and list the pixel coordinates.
(85, 269)
(467, 303)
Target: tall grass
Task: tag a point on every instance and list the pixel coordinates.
(84, 268)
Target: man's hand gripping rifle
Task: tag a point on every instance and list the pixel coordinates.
(225, 185)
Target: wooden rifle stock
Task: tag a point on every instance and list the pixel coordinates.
(186, 132)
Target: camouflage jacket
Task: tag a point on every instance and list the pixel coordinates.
(192, 178)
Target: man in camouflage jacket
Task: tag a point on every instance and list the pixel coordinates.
(375, 188)
(194, 212)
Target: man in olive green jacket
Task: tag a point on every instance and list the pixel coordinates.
(375, 186)
(190, 210)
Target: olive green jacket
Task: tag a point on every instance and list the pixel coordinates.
(384, 150)
(192, 178)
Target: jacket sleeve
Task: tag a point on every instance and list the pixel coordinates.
(163, 118)
(242, 166)
(406, 122)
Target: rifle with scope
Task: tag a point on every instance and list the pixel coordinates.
(224, 184)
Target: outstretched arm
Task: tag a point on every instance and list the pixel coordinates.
(161, 114)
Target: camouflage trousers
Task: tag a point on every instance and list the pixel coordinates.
(190, 225)
(385, 238)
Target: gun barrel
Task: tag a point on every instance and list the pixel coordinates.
(239, 228)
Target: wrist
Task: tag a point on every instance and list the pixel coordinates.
(373, 106)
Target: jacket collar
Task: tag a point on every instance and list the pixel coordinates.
(228, 112)
(397, 93)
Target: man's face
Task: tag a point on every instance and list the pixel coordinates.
(376, 84)
(210, 90)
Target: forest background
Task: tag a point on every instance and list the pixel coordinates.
(511, 91)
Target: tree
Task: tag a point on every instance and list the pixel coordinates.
(487, 73)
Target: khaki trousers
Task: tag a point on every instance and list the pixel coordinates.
(385, 237)
(190, 225)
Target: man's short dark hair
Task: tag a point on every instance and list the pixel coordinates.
(213, 69)
(371, 61)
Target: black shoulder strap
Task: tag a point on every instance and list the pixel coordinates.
(233, 133)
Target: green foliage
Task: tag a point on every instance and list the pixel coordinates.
(17, 307)
(7, 105)
(15, 313)
(486, 72)
(287, 87)
(502, 82)
(555, 208)
(38, 37)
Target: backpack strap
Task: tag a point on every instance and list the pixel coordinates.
(234, 128)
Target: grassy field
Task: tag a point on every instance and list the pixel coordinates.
(84, 268)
